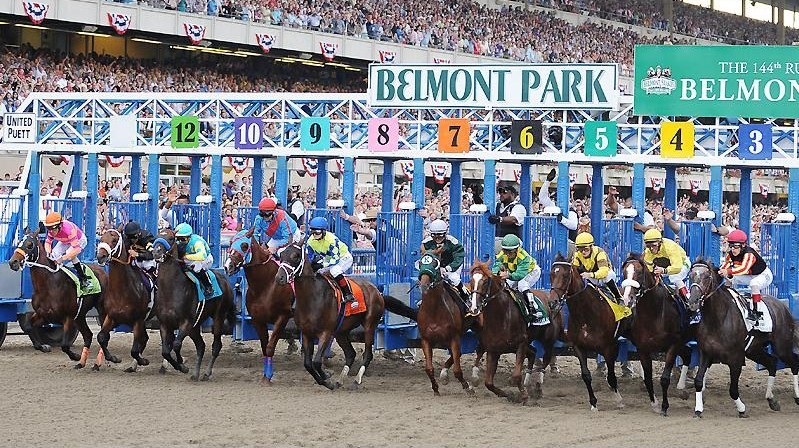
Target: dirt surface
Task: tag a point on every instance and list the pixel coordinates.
(48, 403)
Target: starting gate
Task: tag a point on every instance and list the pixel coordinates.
(539, 241)
(695, 238)
(120, 213)
(775, 242)
(468, 229)
(617, 239)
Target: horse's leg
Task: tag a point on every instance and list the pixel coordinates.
(478, 356)
(586, 375)
(216, 346)
(196, 336)
(665, 376)
(685, 354)
(308, 351)
(455, 347)
(343, 339)
(427, 349)
(516, 378)
(31, 328)
(492, 359)
(167, 344)
(612, 380)
(103, 337)
(646, 364)
(368, 350)
(86, 333)
(735, 375)
(269, 343)
(66, 344)
(699, 383)
(759, 355)
(139, 340)
(324, 344)
(177, 345)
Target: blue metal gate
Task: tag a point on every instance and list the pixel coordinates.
(539, 241)
(617, 239)
(120, 213)
(775, 242)
(695, 238)
(11, 228)
(469, 230)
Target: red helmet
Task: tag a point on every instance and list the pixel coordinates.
(266, 205)
(737, 236)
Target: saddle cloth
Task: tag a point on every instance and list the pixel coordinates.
(765, 324)
(200, 290)
(619, 311)
(521, 303)
(357, 292)
(151, 286)
(72, 274)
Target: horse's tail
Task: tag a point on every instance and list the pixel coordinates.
(396, 306)
(230, 317)
(796, 336)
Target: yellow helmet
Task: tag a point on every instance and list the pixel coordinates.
(652, 235)
(584, 240)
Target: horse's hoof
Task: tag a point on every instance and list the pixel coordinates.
(354, 386)
(130, 370)
(329, 385)
(436, 393)
(620, 405)
(162, 370)
(144, 362)
(664, 413)
(443, 379)
(594, 409)
(537, 392)
(796, 400)
(470, 391)
(697, 414)
(96, 368)
(205, 377)
(194, 378)
(743, 415)
(183, 369)
(73, 356)
(44, 348)
(79, 366)
(773, 404)
(113, 359)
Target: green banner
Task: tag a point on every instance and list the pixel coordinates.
(717, 81)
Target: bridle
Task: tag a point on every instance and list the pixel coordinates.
(704, 295)
(485, 295)
(31, 259)
(117, 251)
(290, 270)
(658, 281)
(562, 298)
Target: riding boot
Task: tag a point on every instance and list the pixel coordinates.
(532, 307)
(85, 283)
(754, 313)
(205, 281)
(614, 289)
(346, 290)
(464, 293)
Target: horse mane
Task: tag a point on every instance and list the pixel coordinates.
(560, 258)
(708, 262)
(481, 268)
(634, 256)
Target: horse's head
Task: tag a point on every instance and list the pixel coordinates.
(292, 261)
(163, 245)
(429, 271)
(111, 245)
(705, 280)
(637, 278)
(27, 250)
(238, 252)
(484, 284)
(563, 279)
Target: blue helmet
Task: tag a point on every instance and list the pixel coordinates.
(183, 229)
(318, 223)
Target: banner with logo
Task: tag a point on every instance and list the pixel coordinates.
(37, 12)
(265, 41)
(195, 33)
(329, 50)
(119, 22)
(524, 86)
(716, 81)
(388, 57)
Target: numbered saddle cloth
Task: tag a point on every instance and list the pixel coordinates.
(619, 311)
(357, 292)
(217, 290)
(765, 324)
(94, 288)
(521, 302)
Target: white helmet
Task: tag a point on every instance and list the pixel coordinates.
(437, 227)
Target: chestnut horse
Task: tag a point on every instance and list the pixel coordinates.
(55, 297)
(178, 309)
(658, 325)
(592, 326)
(319, 317)
(722, 336)
(127, 299)
(441, 322)
(267, 302)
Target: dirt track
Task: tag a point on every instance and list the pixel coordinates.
(47, 402)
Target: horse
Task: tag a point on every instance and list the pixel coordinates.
(179, 309)
(55, 297)
(127, 299)
(266, 301)
(319, 316)
(441, 323)
(592, 326)
(722, 336)
(658, 325)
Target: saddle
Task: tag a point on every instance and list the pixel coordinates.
(72, 274)
(357, 292)
(529, 314)
(743, 301)
(619, 311)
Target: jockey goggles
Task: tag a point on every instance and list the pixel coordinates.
(438, 234)
(736, 246)
(266, 214)
(317, 231)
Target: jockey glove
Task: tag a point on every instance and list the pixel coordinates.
(316, 263)
(493, 219)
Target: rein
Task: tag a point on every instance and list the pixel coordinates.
(117, 251)
(704, 296)
(35, 257)
(566, 296)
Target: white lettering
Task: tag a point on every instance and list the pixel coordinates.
(753, 94)
(688, 89)
(780, 89)
(707, 89)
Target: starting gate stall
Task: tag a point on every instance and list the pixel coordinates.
(468, 229)
(538, 239)
(120, 213)
(775, 247)
(617, 238)
(12, 301)
(696, 238)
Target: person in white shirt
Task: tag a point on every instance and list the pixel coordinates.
(508, 215)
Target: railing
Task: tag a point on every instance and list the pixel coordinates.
(120, 213)
(539, 241)
(617, 239)
(469, 229)
(11, 211)
(775, 248)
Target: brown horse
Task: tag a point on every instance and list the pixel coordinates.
(267, 302)
(55, 298)
(441, 322)
(592, 326)
(319, 318)
(722, 336)
(178, 309)
(502, 328)
(127, 299)
(658, 325)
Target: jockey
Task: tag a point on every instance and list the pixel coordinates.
(518, 268)
(140, 245)
(664, 256)
(746, 267)
(274, 225)
(594, 263)
(330, 254)
(70, 241)
(195, 253)
(450, 251)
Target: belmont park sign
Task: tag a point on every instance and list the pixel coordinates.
(512, 86)
(717, 81)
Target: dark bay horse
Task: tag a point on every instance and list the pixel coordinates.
(722, 336)
(178, 309)
(657, 325)
(502, 328)
(267, 302)
(317, 315)
(441, 322)
(55, 297)
(127, 299)
(592, 326)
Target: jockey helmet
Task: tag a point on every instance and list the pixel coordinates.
(183, 230)
(584, 239)
(437, 227)
(132, 229)
(266, 205)
(737, 236)
(318, 223)
(652, 235)
(53, 219)
(511, 241)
